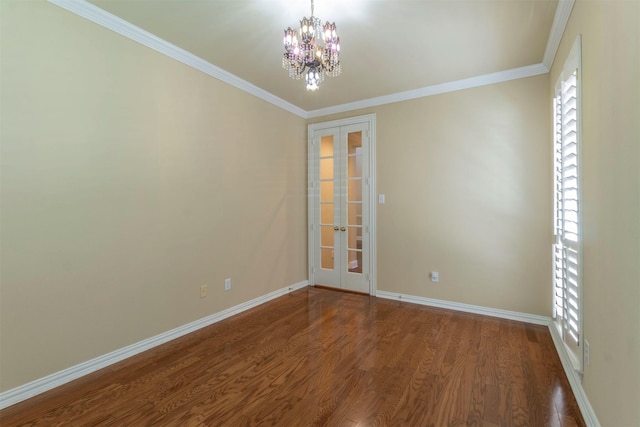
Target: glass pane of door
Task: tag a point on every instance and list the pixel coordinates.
(326, 146)
(355, 262)
(355, 213)
(326, 168)
(354, 202)
(327, 258)
(326, 191)
(328, 186)
(326, 246)
(354, 238)
(326, 213)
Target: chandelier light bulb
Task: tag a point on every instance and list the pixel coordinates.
(313, 79)
(316, 53)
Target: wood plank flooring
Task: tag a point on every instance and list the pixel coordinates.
(326, 358)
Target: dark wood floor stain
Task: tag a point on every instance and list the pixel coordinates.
(324, 358)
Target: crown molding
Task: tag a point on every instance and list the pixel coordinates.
(101, 17)
(483, 80)
(563, 11)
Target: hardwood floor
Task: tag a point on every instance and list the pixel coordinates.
(326, 358)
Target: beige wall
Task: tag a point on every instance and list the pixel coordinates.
(611, 201)
(129, 180)
(468, 194)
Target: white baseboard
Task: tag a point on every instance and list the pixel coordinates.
(575, 381)
(23, 392)
(477, 309)
(574, 378)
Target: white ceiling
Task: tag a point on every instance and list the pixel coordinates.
(388, 46)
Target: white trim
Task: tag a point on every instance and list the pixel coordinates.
(467, 308)
(575, 381)
(120, 26)
(101, 17)
(23, 392)
(486, 79)
(563, 11)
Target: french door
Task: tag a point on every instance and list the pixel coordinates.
(340, 208)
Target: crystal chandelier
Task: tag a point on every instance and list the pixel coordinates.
(309, 57)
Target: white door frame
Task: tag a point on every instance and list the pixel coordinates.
(370, 119)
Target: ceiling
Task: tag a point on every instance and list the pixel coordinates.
(387, 46)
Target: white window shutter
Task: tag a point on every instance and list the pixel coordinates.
(567, 308)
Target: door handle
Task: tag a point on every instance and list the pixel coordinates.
(336, 228)
(343, 228)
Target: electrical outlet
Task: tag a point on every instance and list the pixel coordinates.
(587, 352)
(227, 284)
(435, 277)
(203, 291)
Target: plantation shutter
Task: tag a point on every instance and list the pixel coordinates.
(566, 250)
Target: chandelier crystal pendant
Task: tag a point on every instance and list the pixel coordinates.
(305, 55)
